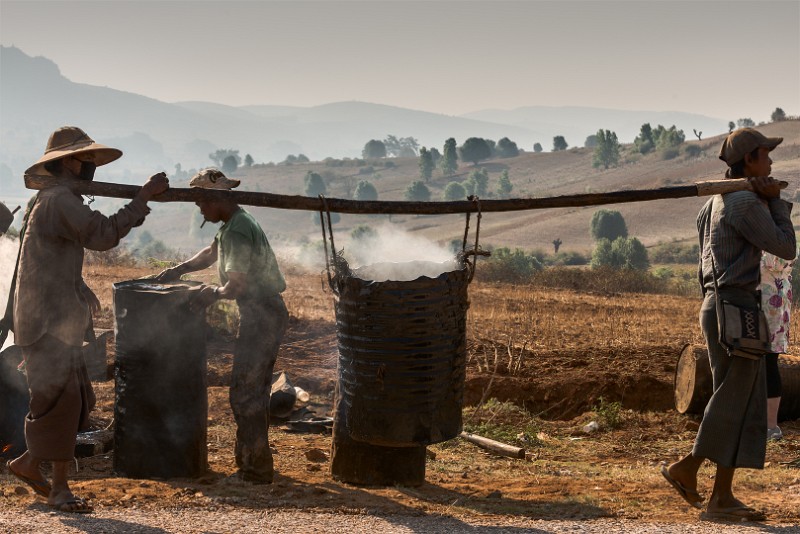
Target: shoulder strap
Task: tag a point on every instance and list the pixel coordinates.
(7, 322)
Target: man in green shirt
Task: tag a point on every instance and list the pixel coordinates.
(248, 273)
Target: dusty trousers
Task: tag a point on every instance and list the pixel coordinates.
(262, 323)
(61, 398)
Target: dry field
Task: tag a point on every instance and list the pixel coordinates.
(551, 354)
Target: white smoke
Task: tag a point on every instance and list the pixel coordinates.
(389, 244)
(8, 259)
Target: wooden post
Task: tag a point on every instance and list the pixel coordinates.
(338, 205)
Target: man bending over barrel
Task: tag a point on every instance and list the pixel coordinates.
(249, 273)
(52, 305)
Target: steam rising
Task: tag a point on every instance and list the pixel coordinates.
(388, 253)
(8, 259)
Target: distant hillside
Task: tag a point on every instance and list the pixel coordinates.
(35, 99)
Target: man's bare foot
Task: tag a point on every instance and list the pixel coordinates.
(688, 494)
(26, 469)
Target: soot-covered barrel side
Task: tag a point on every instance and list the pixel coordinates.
(402, 357)
(161, 407)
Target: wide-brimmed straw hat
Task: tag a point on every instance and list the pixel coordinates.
(213, 179)
(69, 141)
(742, 142)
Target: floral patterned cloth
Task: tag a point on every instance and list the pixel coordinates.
(776, 298)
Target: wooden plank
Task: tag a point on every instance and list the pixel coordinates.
(339, 205)
(494, 446)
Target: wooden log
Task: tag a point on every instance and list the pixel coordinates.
(693, 383)
(494, 446)
(339, 205)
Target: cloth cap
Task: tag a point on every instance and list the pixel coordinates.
(71, 140)
(212, 179)
(744, 141)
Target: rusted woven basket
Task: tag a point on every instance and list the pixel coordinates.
(402, 351)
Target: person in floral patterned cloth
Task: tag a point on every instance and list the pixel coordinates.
(776, 300)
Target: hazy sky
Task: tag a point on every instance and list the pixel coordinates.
(727, 59)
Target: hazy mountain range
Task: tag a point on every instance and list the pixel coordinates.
(35, 99)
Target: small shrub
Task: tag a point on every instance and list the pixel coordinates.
(675, 253)
(506, 265)
(569, 258)
(670, 153)
(609, 413)
(692, 151)
(115, 257)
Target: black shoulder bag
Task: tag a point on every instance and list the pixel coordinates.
(742, 329)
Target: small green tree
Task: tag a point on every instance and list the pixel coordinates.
(454, 191)
(622, 253)
(668, 137)
(365, 191)
(477, 183)
(475, 149)
(229, 165)
(374, 149)
(504, 186)
(778, 115)
(248, 160)
(418, 192)
(302, 158)
(559, 143)
(631, 253)
(608, 224)
(745, 122)
(425, 164)
(537, 147)
(645, 142)
(731, 126)
(506, 148)
(449, 162)
(219, 156)
(607, 151)
(591, 141)
(314, 185)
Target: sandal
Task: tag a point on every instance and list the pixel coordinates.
(39, 487)
(75, 505)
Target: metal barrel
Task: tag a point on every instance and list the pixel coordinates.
(161, 408)
(14, 401)
(402, 352)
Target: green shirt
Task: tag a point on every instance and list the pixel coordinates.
(242, 247)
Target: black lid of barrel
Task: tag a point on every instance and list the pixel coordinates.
(402, 352)
(161, 409)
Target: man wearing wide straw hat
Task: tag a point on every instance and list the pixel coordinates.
(52, 305)
(249, 273)
(733, 229)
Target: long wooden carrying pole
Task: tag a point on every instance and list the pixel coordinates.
(339, 205)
